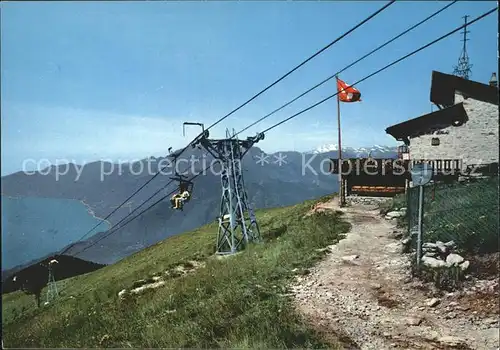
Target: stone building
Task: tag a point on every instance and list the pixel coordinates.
(463, 132)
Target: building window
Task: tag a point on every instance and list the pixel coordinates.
(435, 141)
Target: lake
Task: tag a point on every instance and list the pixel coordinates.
(33, 227)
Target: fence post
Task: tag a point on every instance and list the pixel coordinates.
(408, 211)
(421, 174)
(420, 224)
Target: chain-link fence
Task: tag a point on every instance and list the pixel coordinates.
(463, 212)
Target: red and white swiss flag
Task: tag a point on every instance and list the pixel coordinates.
(347, 93)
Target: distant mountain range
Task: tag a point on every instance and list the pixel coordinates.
(271, 180)
(375, 151)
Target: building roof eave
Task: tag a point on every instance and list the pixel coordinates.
(451, 116)
(445, 86)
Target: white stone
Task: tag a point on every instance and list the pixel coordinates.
(350, 258)
(432, 302)
(454, 259)
(429, 245)
(441, 247)
(450, 244)
(433, 262)
(429, 249)
(394, 214)
(465, 265)
(147, 286)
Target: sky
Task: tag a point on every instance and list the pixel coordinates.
(83, 81)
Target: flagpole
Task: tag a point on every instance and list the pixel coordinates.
(341, 189)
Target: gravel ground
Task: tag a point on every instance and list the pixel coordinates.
(363, 293)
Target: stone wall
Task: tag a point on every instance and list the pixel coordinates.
(475, 142)
(367, 200)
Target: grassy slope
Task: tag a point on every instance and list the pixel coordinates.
(235, 302)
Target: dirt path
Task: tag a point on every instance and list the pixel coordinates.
(362, 291)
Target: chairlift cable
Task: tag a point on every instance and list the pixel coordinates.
(238, 108)
(349, 66)
(115, 226)
(307, 60)
(113, 230)
(384, 68)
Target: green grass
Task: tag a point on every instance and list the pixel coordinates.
(234, 302)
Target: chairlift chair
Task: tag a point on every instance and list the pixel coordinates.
(184, 185)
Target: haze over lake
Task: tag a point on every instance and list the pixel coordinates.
(33, 227)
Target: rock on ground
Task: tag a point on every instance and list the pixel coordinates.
(433, 262)
(432, 302)
(394, 214)
(454, 259)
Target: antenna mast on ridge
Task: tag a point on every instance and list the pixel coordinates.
(463, 69)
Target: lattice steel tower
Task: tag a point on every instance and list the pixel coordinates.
(52, 292)
(463, 69)
(237, 222)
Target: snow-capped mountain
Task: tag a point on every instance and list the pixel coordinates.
(376, 151)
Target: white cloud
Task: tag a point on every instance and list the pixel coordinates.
(64, 132)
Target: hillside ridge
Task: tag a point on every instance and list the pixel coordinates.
(214, 305)
(268, 185)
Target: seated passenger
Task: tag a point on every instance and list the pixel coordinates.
(179, 199)
(185, 196)
(175, 201)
